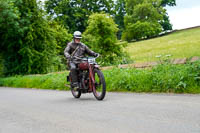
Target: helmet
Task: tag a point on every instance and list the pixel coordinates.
(77, 34)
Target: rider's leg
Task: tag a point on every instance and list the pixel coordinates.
(74, 74)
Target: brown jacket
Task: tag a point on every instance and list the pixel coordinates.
(80, 52)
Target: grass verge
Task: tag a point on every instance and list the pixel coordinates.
(162, 78)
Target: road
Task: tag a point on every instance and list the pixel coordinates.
(50, 111)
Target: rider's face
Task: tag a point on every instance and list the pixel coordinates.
(77, 40)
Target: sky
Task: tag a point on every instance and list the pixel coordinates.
(185, 14)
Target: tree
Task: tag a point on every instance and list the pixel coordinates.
(28, 40)
(119, 14)
(10, 33)
(100, 35)
(62, 37)
(74, 14)
(142, 19)
(9, 22)
(166, 25)
(164, 3)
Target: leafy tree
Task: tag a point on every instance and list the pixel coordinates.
(142, 19)
(74, 14)
(10, 32)
(164, 3)
(62, 37)
(100, 35)
(28, 41)
(141, 30)
(166, 25)
(119, 15)
(9, 22)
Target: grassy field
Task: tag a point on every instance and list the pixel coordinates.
(179, 44)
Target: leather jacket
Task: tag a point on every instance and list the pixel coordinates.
(81, 50)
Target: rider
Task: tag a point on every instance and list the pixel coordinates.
(78, 49)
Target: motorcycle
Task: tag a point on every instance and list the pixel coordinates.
(90, 79)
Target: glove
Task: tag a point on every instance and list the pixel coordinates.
(70, 57)
(96, 55)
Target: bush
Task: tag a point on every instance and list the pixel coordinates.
(47, 81)
(62, 37)
(141, 30)
(1, 66)
(162, 78)
(100, 35)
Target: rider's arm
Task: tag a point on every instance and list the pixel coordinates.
(67, 50)
(90, 52)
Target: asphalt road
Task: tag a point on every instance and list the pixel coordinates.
(50, 111)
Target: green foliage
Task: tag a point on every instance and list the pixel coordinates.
(74, 14)
(120, 12)
(12, 29)
(9, 23)
(32, 42)
(168, 2)
(166, 25)
(140, 30)
(142, 19)
(62, 37)
(100, 35)
(48, 81)
(119, 9)
(163, 78)
(29, 43)
(1, 66)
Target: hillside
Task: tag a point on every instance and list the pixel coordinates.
(184, 43)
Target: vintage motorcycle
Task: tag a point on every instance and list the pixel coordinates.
(90, 79)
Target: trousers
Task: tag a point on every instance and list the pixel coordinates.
(73, 70)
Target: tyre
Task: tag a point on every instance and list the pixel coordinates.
(76, 93)
(100, 85)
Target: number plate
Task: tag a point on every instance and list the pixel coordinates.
(92, 61)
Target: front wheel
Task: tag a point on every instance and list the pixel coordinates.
(76, 93)
(100, 85)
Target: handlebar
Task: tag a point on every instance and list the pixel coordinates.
(78, 58)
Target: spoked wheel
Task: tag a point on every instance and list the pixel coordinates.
(100, 85)
(76, 93)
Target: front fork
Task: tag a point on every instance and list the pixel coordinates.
(68, 80)
(91, 78)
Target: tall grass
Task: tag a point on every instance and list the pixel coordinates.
(1, 65)
(162, 78)
(47, 81)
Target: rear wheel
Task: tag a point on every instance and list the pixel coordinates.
(100, 85)
(75, 92)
